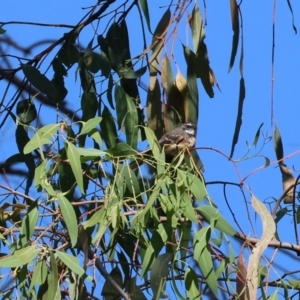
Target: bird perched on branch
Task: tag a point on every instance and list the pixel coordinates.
(174, 141)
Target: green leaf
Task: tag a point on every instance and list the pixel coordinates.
(27, 254)
(162, 25)
(209, 212)
(39, 275)
(127, 115)
(128, 73)
(238, 123)
(109, 290)
(191, 284)
(2, 31)
(41, 137)
(130, 179)
(90, 125)
(257, 135)
(153, 143)
(159, 273)
(91, 152)
(39, 81)
(144, 6)
(69, 216)
(121, 150)
(15, 158)
(95, 62)
(71, 262)
(196, 24)
(52, 279)
(26, 111)
(187, 208)
(97, 217)
(134, 291)
(108, 128)
(121, 104)
(236, 31)
(193, 183)
(278, 144)
(29, 221)
(203, 256)
(74, 159)
(20, 257)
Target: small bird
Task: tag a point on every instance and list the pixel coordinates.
(174, 141)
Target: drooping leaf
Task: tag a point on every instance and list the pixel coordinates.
(269, 229)
(197, 28)
(162, 25)
(22, 141)
(29, 221)
(191, 284)
(52, 279)
(121, 104)
(291, 10)
(241, 277)
(191, 101)
(154, 115)
(236, 31)
(134, 291)
(39, 81)
(278, 145)
(108, 289)
(144, 6)
(127, 115)
(39, 275)
(238, 122)
(69, 217)
(130, 179)
(74, 160)
(108, 128)
(203, 257)
(159, 273)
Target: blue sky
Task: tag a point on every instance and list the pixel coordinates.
(217, 116)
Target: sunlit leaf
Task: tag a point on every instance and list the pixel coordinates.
(208, 212)
(89, 125)
(43, 136)
(71, 262)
